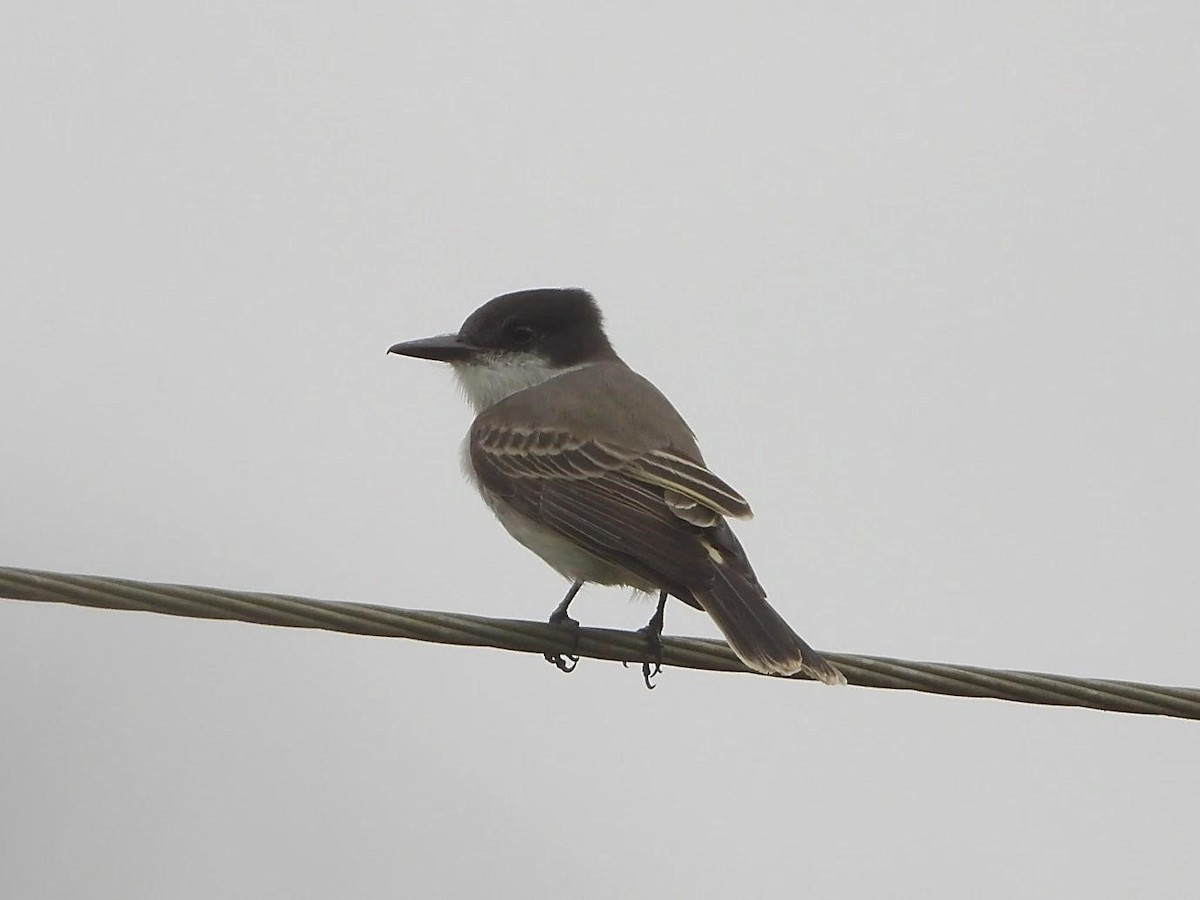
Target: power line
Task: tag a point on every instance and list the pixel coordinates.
(598, 643)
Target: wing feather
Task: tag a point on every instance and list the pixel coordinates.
(641, 510)
(548, 452)
(692, 480)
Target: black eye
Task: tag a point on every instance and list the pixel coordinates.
(521, 335)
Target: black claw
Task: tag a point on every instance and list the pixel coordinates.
(560, 661)
(654, 666)
(648, 673)
(653, 633)
(562, 619)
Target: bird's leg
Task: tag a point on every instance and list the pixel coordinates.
(653, 633)
(560, 617)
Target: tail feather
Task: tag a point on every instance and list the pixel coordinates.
(756, 632)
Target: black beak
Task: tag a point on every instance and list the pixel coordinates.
(444, 348)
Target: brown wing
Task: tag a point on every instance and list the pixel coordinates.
(648, 511)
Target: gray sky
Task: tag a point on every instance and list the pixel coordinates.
(924, 282)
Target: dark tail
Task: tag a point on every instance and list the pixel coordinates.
(759, 635)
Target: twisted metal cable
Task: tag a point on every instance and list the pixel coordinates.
(598, 643)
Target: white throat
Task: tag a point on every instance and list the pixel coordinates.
(487, 383)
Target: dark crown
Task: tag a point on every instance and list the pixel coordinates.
(564, 325)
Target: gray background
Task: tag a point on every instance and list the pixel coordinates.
(924, 281)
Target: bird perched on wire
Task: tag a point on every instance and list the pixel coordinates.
(587, 464)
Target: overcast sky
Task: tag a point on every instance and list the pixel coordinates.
(924, 282)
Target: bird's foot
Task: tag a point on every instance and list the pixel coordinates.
(653, 634)
(565, 662)
(653, 637)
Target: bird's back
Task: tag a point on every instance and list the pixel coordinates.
(623, 409)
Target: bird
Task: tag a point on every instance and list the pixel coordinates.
(586, 463)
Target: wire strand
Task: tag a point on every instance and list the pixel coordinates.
(598, 643)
